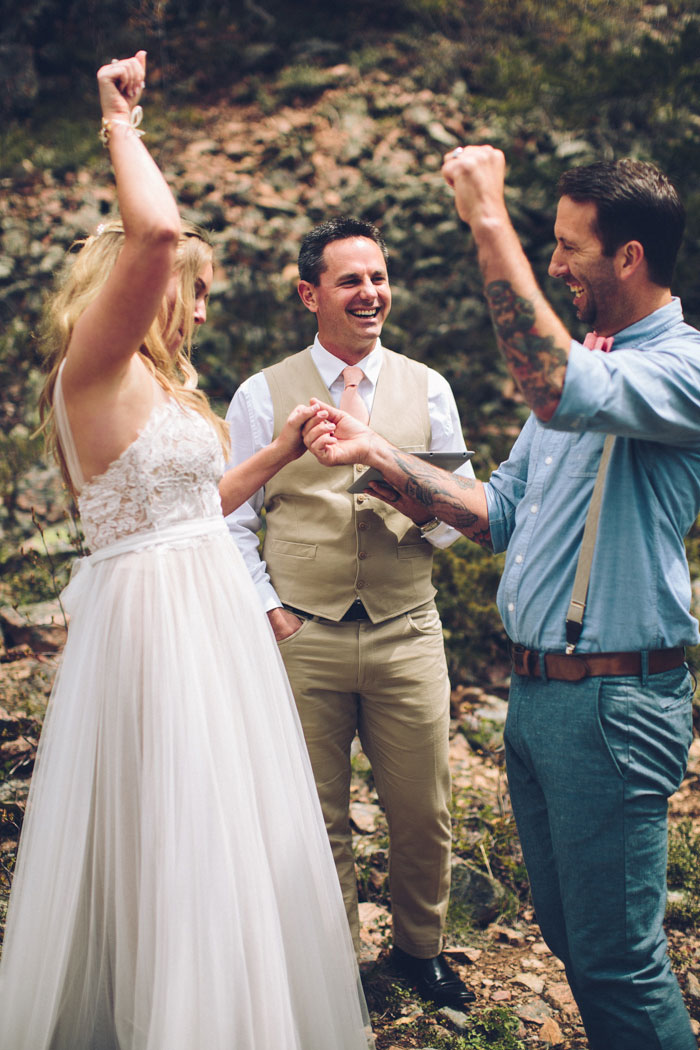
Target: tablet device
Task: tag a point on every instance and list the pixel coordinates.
(446, 460)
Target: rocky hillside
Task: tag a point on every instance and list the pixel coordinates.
(279, 140)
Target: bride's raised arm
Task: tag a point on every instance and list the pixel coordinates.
(112, 328)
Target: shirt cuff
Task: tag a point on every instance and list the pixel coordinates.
(442, 535)
(268, 596)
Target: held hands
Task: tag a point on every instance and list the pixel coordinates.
(290, 441)
(477, 176)
(336, 438)
(121, 84)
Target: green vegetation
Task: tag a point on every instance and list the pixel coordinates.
(489, 840)
(683, 909)
(466, 578)
(493, 1028)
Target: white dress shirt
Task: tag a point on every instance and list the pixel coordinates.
(251, 420)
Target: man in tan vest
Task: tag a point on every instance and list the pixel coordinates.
(346, 582)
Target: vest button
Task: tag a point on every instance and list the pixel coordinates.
(363, 525)
(360, 584)
(362, 554)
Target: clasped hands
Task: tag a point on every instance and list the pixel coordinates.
(336, 438)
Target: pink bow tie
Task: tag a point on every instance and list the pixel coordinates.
(593, 341)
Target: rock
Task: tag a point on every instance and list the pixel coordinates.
(17, 757)
(529, 980)
(534, 1010)
(441, 135)
(480, 893)
(11, 817)
(364, 816)
(692, 985)
(560, 997)
(42, 627)
(492, 709)
(467, 954)
(14, 726)
(51, 259)
(550, 1032)
(457, 1018)
(504, 933)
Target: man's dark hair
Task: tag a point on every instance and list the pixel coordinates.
(635, 202)
(311, 264)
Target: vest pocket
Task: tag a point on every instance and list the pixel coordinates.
(291, 549)
(411, 550)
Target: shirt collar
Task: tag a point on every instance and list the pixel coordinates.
(330, 366)
(651, 326)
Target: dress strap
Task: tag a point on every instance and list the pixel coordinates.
(65, 435)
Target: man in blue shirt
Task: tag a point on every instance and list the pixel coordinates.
(599, 725)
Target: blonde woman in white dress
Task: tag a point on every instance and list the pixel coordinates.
(174, 887)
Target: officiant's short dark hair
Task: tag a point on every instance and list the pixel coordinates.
(635, 202)
(311, 264)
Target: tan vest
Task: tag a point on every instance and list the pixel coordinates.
(323, 546)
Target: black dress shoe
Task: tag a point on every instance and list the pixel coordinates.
(433, 979)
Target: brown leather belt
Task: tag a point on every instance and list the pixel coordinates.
(574, 668)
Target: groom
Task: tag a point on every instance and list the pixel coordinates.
(347, 585)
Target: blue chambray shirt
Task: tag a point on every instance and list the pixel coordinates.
(646, 391)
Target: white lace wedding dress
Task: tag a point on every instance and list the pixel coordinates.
(174, 888)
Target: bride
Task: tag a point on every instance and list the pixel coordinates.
(174, 887)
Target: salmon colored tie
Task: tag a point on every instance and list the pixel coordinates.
(350, 401)
(593, 341)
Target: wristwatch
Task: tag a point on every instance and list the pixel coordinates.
(429, 526)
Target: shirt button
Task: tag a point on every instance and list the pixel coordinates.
(534, 508)
(518, 558)
(548, 460)
(511, 606)
(362, 554)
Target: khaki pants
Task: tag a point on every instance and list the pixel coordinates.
(389, 683)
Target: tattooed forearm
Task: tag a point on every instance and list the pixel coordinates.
(537, 362)
(454, 499)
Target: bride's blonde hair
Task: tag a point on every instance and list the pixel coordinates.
(87, 268)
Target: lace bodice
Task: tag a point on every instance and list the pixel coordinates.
(170, 473)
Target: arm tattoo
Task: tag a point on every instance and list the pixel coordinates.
(427, 485)
(533, 359)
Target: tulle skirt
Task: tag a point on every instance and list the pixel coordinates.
(174, 888)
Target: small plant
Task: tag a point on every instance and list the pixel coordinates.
(684, 875)
(488, 838)
(495, 1028)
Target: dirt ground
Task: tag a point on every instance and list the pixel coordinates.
(505, 963)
